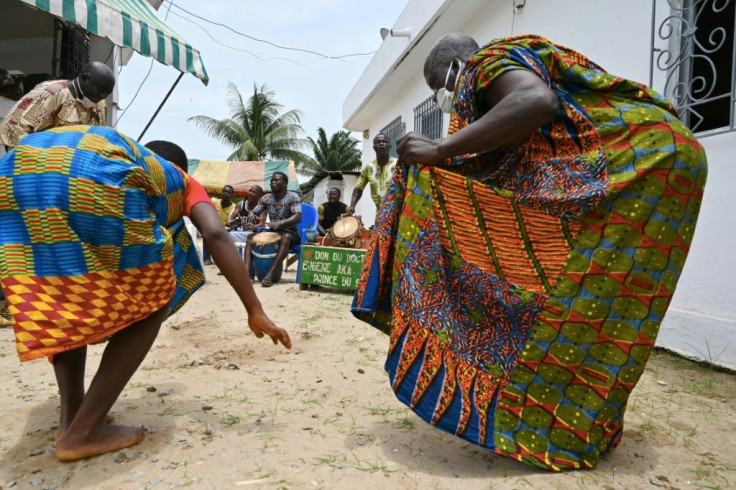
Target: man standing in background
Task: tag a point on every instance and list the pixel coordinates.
(377, 173)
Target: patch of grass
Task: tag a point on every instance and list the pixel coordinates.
(187, 480)
(330, 460)
(311, 402)
(366, 360)
(230, 420)
(373, 466)
(290, 410)
(317, 432)
(381, 410)
(406, 424)
(311, 321)
(353, 428)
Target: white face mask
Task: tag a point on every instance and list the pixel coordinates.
(444, 97)
(85, 101)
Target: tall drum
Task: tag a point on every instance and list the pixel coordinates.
(265, 247)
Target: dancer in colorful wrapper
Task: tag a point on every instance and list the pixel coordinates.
(103, 251)
(522, 265)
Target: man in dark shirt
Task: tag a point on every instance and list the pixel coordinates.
(330, 211)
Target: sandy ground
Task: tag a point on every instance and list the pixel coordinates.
(225, 410)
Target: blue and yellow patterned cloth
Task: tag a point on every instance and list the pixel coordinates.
(91, 237)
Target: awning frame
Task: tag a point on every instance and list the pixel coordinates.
(130, 24)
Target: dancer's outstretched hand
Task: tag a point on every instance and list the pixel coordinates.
(261, 325)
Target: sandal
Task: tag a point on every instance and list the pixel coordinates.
(266, 283)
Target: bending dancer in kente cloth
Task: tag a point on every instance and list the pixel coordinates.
(522, 265)
(102, 250)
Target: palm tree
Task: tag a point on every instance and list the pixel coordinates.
(256, 129)
(338, 154)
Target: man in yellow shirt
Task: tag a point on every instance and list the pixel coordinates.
(377, 173)
(224, 207)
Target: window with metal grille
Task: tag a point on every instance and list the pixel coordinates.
(71, 49)
(428, 118)
(393, 130)
(693, 56)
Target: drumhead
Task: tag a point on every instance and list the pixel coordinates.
(266, 238)
(345, 227)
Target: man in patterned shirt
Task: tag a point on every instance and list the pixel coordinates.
(60, 103)
(378, 173)
(284, 213)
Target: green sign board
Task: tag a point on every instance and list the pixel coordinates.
(331, 266)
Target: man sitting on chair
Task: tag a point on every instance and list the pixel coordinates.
(330, 211)
(243, 221)
(284, 213)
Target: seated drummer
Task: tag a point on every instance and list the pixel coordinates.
(330, 211)
(284, 213)
(243, 221)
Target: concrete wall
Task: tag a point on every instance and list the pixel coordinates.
(700, 323)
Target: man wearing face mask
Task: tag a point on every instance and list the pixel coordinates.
(377, 173)
(58, 103)
(511, 258)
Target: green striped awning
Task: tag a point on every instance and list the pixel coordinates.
(131, 24)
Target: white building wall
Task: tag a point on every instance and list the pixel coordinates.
(700, 323)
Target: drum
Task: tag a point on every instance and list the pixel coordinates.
(346, 230)
(265, 247)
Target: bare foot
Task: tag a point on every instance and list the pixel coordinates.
(106, 439)
(109, 419)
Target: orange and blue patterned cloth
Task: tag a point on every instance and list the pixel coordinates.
(522, 288)
(91, 237)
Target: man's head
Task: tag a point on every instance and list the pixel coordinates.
(227, 193)
(442, 59)
(334, 195)
(381, 145)
(171, 152)
(254, 195)
(279, 181)
(96, 81)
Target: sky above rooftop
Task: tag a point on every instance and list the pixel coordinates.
(313, 84)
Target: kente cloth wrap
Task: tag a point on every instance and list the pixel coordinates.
(523, 288)
(91, 237)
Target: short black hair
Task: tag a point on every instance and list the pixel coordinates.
(283, 175)
(228, 185)
(171, 152)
